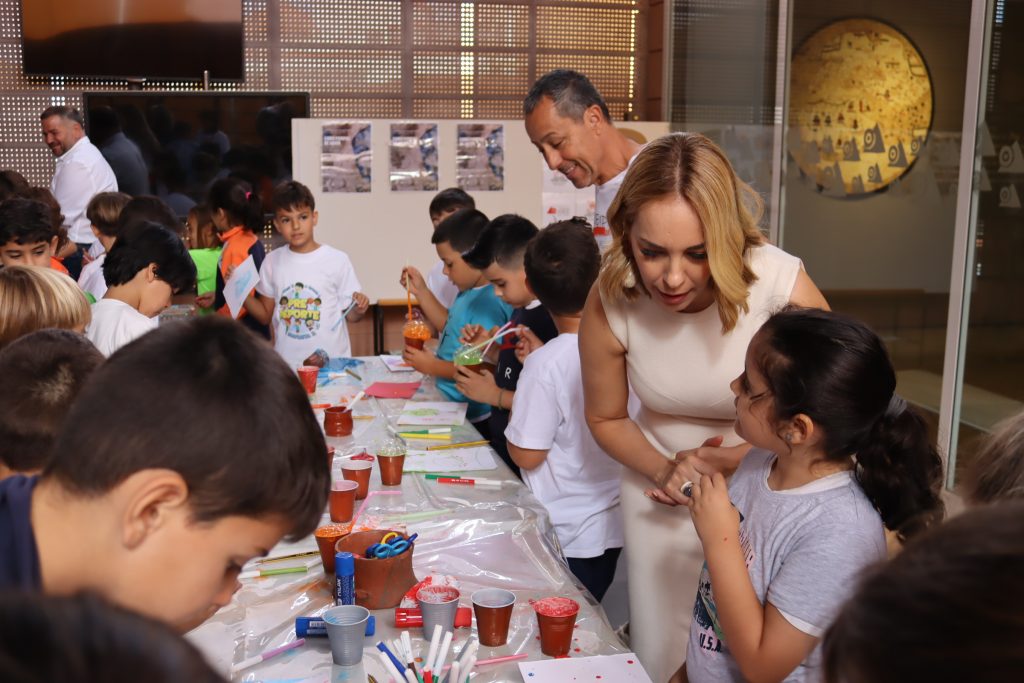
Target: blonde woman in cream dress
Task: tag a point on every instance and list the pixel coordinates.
(687, 282)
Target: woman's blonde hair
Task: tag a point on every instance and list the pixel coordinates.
(997, 472)
(33, 298)
(690, 166)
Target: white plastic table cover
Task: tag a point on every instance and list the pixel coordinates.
(484, 537)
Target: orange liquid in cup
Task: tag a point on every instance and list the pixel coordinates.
(414, 343)
(415, 333)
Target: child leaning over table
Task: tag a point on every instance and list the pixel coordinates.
(304, 290)
(547, 434)
(476, 304)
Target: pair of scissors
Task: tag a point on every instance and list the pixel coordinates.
(391, 545)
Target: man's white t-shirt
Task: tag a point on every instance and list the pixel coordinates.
(578, 482)
(115, 323)
(443, 289)
(81, 174)
(603, 197)
(310, 292)
(91, 279)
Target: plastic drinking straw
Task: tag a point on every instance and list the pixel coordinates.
(408, 293)
(464, 444)
(501, 330)
(415, 516)
(256, 659)
(366, 500)
(487, 342)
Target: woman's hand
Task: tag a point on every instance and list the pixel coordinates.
(688, 466)
(714, 515)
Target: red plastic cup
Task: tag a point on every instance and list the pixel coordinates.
(493, 608)
(338, 421)
(343, 498)
(307, 375)
(359, 472)
(556, 618)
(391, 469)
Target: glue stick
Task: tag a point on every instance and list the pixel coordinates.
(344, 579)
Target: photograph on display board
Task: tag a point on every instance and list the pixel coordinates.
(480, 157)
(413, 157)
(345, 157)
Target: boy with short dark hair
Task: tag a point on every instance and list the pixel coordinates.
(42, 374)
(547, 432)
(146, 266)
(499, 254)
(444, 204)
(154, 515)
(27, 233)
(305, 289)
(476, 304)
(103, 213)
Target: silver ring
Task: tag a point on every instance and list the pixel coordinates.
(687, 489)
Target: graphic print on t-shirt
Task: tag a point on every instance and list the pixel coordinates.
(299, 309)
(705, 612)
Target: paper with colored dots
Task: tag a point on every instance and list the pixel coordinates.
(623, 668)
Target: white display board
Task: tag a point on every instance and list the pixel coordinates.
(382, 230)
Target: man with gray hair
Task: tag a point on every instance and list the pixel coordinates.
(81, 173)
(569, 123)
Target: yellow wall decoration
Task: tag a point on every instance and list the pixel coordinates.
(860, 106)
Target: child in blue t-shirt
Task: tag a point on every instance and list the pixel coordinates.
(476, 304)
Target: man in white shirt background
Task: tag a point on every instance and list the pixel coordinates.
(81, 173)
(569, 123)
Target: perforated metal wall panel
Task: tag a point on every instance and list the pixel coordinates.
(372, 59)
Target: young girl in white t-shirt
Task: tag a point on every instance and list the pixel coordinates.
(836, 455)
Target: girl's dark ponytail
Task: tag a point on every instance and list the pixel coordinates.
(240, 202)
(900, 471)
(835, 370)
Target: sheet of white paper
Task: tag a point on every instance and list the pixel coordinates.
(433, 414)
(624, 668)
(450, 460)
(396, 364)
(238, 286)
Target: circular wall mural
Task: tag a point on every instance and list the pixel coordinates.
(860, 106)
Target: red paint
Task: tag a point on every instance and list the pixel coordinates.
(629, 661)
(556, 607)
(436, 595)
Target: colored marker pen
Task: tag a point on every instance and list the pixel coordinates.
(344, 579)
(468, 482)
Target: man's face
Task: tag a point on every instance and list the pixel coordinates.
(570, 147)
(61, 134)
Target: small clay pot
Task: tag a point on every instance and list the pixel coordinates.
(338, 421)
(380, 583)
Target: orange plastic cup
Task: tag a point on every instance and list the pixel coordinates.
(342, 500)
(359, 472)
(556, 618)
(326, 537)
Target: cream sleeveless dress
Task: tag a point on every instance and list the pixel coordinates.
(680, 366)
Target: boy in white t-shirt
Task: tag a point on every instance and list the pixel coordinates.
(146, 266)
(103, 212)
(305, 290)
(547, 433)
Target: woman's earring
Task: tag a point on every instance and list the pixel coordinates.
(630, 280)
(789, 437)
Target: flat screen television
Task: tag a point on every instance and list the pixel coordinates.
(144, 39)
(175, 145)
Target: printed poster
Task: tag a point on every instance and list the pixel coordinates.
(413, 157)
(480, 157)
(345, 157)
